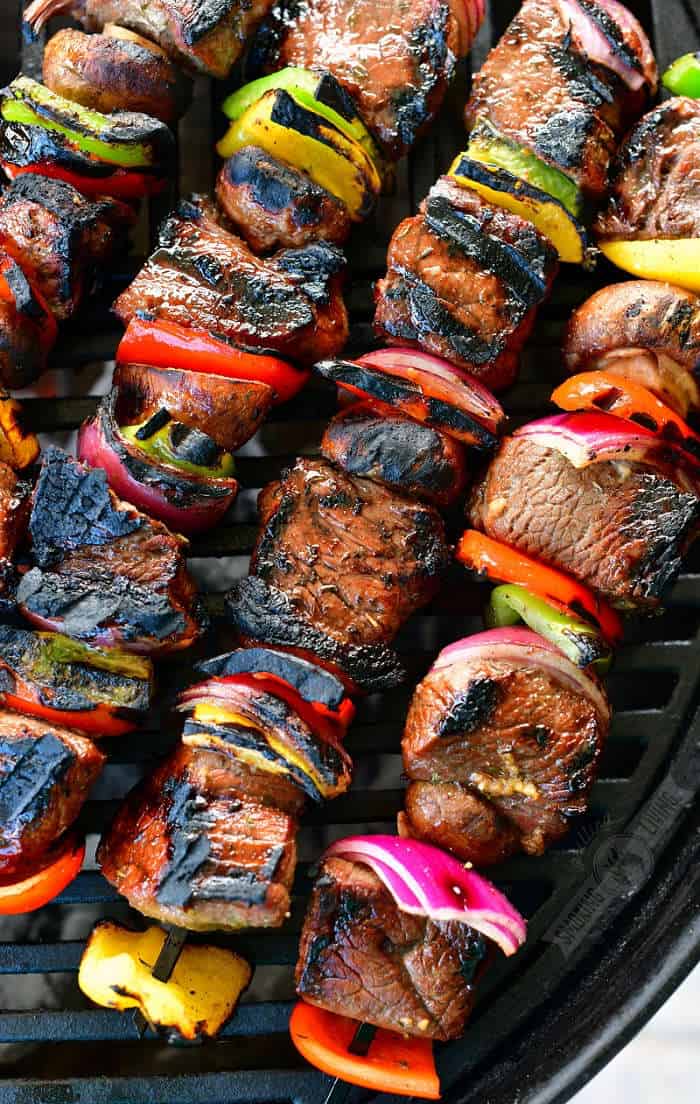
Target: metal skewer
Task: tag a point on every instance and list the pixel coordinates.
(359, 1044)
(162, 969)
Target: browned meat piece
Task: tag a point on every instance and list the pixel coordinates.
(15, 499)
(464, 281)
(27, 327)
(538, 88)
(645, 331)
(522, 743)
(361, 957)
(104, 573)
(201, 275)
(622, 528)
(191, 847)
(60, 238)
(275, 206)
(397, 451)
(395, 60)
(355, 558)
(204, 35)
(115, 72)
(45, 774)
(655, 180)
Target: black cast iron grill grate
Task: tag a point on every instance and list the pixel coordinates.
(612, 910)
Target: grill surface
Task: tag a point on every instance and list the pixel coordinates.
(612, 909)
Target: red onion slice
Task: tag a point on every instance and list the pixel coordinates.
(596, 46)
(425, 881)
(587, 438)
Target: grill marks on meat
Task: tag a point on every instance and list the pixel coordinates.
(60, 238)
(105, 573)
(201, 275)
(190, 846)
(395, 59)
(655, 180)
(499, 758)
(45, 773)
(361, 957)
(464, 282)
(622, 528)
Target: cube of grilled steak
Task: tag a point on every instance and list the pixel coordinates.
(643, 330)
(360, 956)
(104, 572)
(655, 179)
(274, 205)
(522, 742)
(27, 329)
(205, 277)
(620, 527)
(398, 452)
(464, 281)
(190, 846)
(538, 89)
(60, 238)
(45, 774)
(395, 61)
(15, 500)
(205, 36)
(355, 558)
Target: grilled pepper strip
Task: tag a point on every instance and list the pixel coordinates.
(671, 260)
(683, 76)
(18, 448)
(127, 186)
(392, 1064)
(38, 889)
(577, 639)
(179, 446)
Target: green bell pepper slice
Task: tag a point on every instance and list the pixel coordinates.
(157, 438)
(683, 76)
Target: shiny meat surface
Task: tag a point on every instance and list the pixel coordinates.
(189, 846)
(395, 58)
(504, 756)
(361, 957)
(15, 497)
(27, 330)
(620, 527)
(45, 774)
(276, 206)
(655, 179)
(203, 276)
(464, 281)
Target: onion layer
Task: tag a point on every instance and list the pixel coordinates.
(596, 44)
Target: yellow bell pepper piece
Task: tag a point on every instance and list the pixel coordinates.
(675, 260)
(335, 162)
(198, 999)
(18, 448)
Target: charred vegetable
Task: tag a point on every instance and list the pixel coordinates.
(18, 447)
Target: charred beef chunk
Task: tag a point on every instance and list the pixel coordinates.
(104, 573)
(645, 331)
(395, 60)
(655, 180)
(276, 206)
(354, 558)
(464, 281)
(45, 774)
(191, 847)
(27, 329)
(620, 527)
(362, 957)
(15, 500)
(499, 758)
(60, 238)
(205, 277)
(397, 452)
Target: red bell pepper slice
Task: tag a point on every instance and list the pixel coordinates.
(392, 1064)
(38, 889)
(162, 344)
(120, 184)
(100, 721)
(503, 564)
(330, 725)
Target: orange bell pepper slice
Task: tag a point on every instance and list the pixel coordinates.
(500, 563)
(392, 1064)
(38, 889)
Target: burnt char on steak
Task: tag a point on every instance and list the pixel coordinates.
(360, 956)
(538, 88)
(201, 275)
(190, 846)
(60, 238)
(499, 757)
(45, 774)
(395, 59)
(655, 178)
(104, 573)
(643, 330)
(620, 527)
(464, 281)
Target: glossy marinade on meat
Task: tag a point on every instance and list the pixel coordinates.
(202, 275)
(27, 328)
(360, 956)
